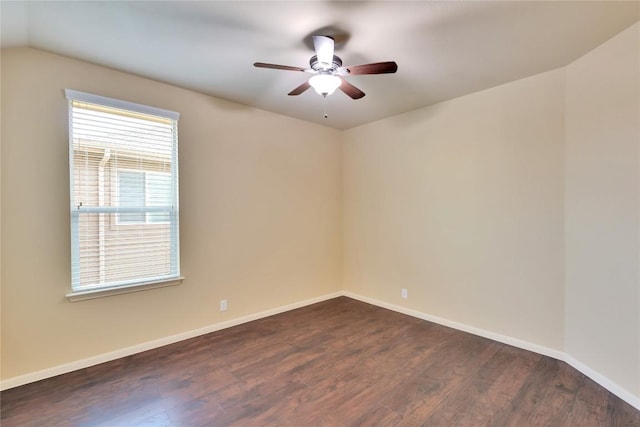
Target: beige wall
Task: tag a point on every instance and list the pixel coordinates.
(260, 215)
(515, 210)
(461, 203)
(603, 210)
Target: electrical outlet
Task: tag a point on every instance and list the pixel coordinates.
(223, 305)
(404, 293)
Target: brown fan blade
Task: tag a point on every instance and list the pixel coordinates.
(374, 68)
(297, 91)
(277, 67)
(351, 90)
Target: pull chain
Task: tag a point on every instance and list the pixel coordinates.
(324, 107)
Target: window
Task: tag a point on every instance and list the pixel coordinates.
(143, 189)
(124, 195)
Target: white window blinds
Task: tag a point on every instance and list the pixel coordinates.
(124, 193)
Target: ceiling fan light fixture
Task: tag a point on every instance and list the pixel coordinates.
(328, 70)
(325, 84)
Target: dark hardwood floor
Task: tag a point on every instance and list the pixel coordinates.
(337, 363)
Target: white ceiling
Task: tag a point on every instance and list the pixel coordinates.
(444, 49)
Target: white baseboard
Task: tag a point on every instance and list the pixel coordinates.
(605, 382)
(139, 348)
(546, 351)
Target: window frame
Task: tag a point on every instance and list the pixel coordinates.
(82, 292)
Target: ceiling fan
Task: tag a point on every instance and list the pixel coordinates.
(328, 71)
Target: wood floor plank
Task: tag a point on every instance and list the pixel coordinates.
(490, 390)
(336, 363)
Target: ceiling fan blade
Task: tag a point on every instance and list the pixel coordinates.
(351, 90)
(324, 46)
(297, 91)
(278, 67)
(374, 68)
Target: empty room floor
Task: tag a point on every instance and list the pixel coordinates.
(340, 362)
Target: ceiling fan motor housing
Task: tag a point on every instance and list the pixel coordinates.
(319, 66)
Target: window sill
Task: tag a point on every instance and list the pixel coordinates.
(107, 292)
